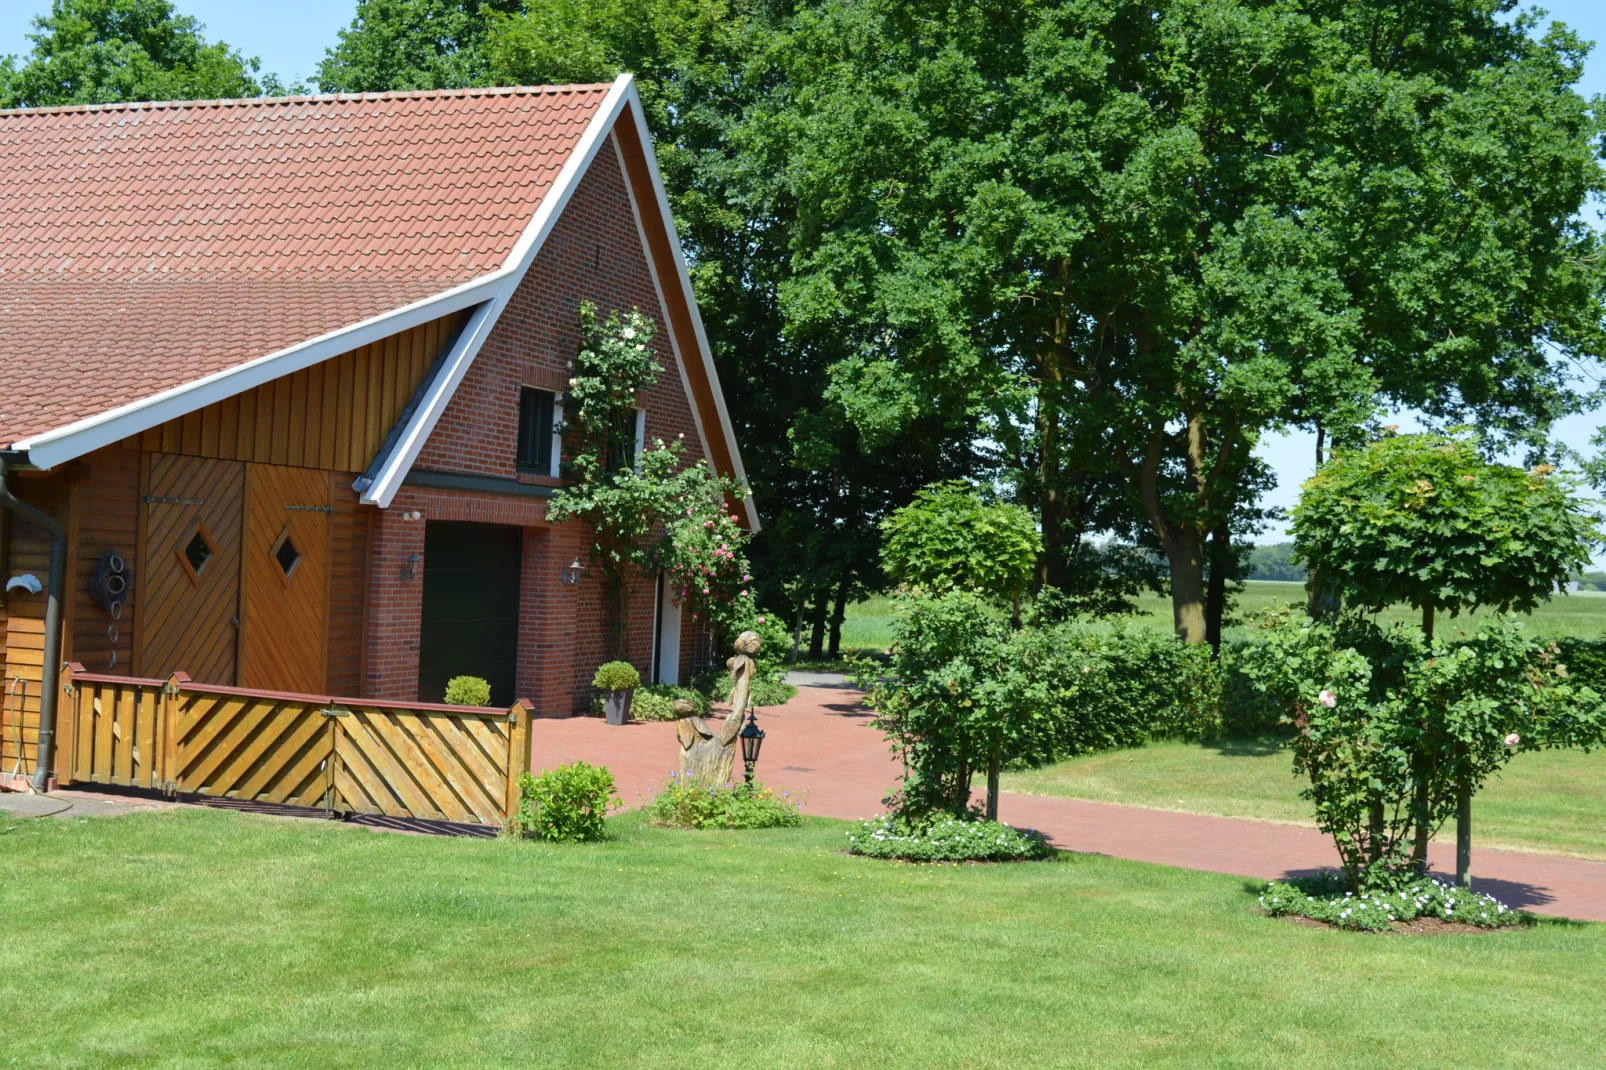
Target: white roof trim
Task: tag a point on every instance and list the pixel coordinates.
(50, 448)
(388, 480)
(640, 116)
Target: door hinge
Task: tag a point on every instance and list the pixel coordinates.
(310, 508)
(157, 499)
(335, 711)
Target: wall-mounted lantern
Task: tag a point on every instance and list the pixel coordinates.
(571, 575)
(410, 569)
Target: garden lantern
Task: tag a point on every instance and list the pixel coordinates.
(752, 737)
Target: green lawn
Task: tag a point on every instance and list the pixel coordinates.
(1552, 801)
(868, 624)
(209, 938)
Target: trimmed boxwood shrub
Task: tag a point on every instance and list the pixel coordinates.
(468, 691)
(616, 676)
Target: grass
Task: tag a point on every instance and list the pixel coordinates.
(1550, 801)
(868, 624)
(199, 938)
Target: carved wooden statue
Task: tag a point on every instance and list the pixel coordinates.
(706, 756)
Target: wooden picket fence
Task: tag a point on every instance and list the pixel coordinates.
(400, 759)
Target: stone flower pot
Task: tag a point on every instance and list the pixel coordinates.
(617, 705)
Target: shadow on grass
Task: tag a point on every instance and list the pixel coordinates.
(1258, 747)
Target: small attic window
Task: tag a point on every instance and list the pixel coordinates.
(537, 430)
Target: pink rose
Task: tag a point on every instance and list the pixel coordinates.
(761, 620)
(1513, 739)
(1328, 699)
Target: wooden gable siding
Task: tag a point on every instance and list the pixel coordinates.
(334, 415)
(106, 508)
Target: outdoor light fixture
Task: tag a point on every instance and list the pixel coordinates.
(571, 575)
(752, 737)
(410, 569)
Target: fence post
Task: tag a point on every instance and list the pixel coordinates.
(518, 752)
(171, 701)
(67, 728)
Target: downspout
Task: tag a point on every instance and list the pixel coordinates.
(51, 689)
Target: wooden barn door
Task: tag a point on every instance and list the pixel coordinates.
(190, 567)
(286, 605)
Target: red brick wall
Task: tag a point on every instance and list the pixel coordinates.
(593, 253)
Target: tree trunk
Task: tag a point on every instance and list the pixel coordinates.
(1185, 552)
(1052, 509)
(994, 763)
(1220, 555)
(822, 599)
(1420, 801)
(1463, 835)
(838, 611)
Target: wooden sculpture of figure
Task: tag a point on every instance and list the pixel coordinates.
(706, 756)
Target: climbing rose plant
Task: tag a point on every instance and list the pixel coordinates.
(705, 563)
(632, 503)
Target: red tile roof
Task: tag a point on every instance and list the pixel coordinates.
(143, 246)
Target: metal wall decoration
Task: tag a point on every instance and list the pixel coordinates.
(109, 587)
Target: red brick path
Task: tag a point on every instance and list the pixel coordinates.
(819, 745)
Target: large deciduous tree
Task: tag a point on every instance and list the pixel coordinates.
(1127, 239)
(108, 51)
(413, 44)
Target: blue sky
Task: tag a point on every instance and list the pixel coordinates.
(290, 36)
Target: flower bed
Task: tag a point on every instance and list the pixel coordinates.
(946, 839)
(741, 806)
(1323, 898)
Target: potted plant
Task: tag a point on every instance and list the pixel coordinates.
(618, 680)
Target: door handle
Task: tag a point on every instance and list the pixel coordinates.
(235, 620)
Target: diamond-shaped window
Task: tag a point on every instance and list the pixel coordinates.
(196, 552)
(286, 554)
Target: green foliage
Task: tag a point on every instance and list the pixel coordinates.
(412, 44)
(468, 691)
(769, 681)
(705, 565)
(1323, 898)
(1275, 562)
(1424, 519)
(616, 676)
(1074, 688)
(1388, 726)
(568, 804)
(656, 702)
(937, 699)
(730, 806)
(945, 839)
(1105, 233)
(109, 51)
(952, 538)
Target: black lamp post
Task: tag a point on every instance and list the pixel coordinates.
(752, 737)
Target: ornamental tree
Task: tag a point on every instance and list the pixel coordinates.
(1423, 519)
(952, 538)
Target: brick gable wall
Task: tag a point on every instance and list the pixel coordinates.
(593, 253)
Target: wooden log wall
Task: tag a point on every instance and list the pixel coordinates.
(334, 415)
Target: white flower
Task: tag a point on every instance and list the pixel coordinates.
(628, 333)
(1328, 699)
(1513, 739)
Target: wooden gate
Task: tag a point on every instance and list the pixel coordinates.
(452, 763)
(188, 608)
(286, 599)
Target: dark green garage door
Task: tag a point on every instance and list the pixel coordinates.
(471, 607)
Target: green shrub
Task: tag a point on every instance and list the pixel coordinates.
(616, 676)
(741, 806)
(1073, 688)
(1324, 897)
(953, 537)
(769, 689)
(567, 804)
(1585, 660)
(946, 839)
(468, 691)
(656, 702)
